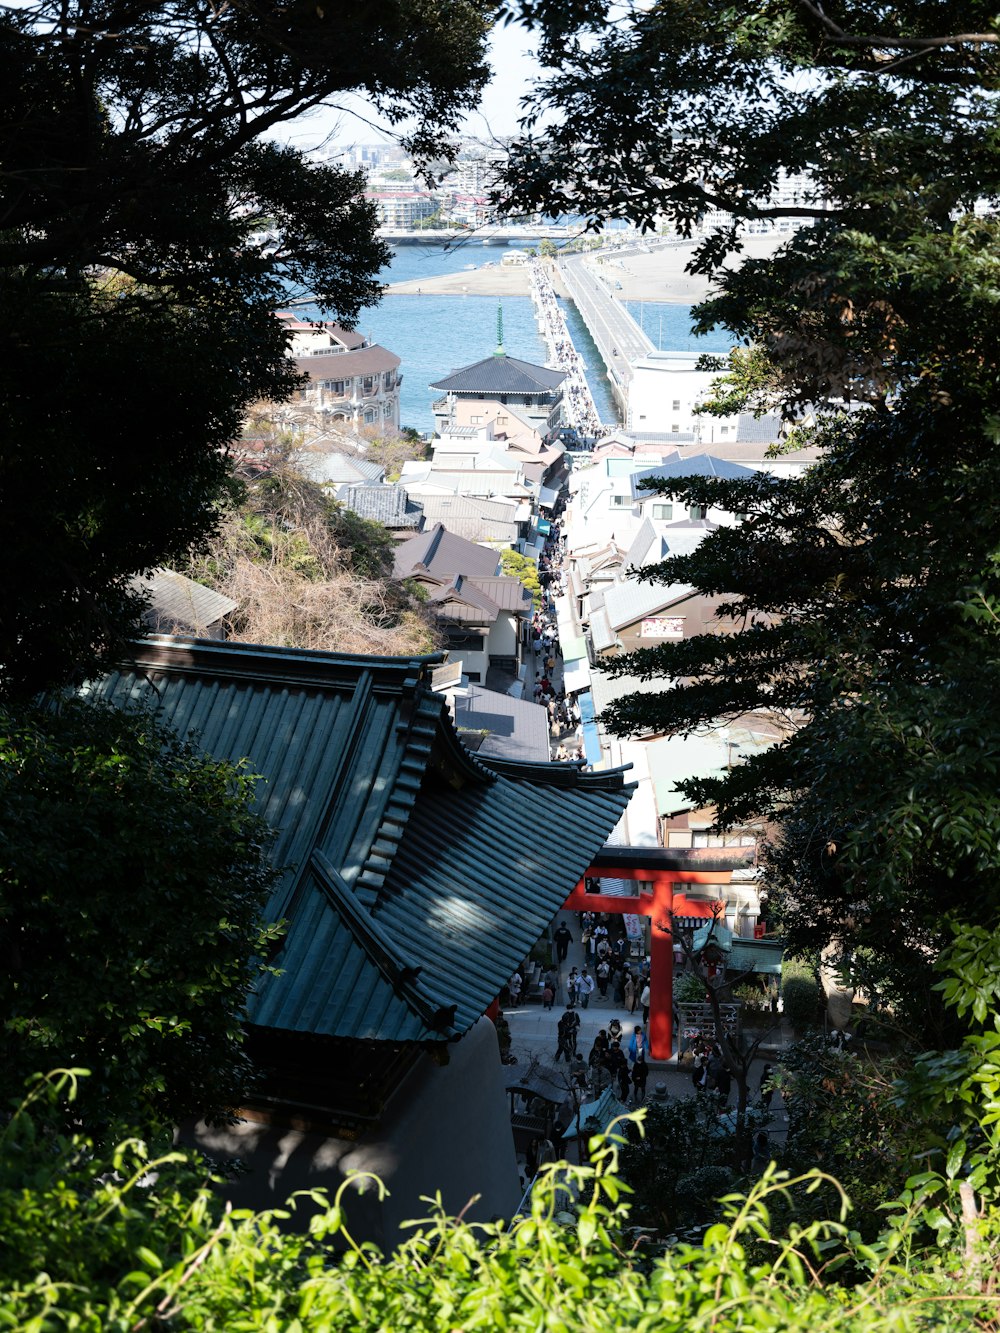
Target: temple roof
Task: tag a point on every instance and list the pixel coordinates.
(415, 876)
(502, 374)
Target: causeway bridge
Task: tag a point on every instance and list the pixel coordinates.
(617, 336)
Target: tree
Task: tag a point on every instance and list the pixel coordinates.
(304, 571)
(522, 567)
(133, 880)
(868, 588)
(151, 225)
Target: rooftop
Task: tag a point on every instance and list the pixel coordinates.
(405, 910)
(502, 374)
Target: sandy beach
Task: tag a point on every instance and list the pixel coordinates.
(658, 276)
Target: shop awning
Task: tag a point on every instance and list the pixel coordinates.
(592, 743)
(576, 675)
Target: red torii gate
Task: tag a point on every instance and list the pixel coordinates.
(663, 868)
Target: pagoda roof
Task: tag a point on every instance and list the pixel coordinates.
(414, 875)
(501, 374)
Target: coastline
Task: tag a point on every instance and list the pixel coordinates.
(656, 276)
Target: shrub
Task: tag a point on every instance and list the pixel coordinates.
(800, 993)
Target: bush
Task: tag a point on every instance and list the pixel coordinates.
(689, 989)
(800, 993)
(754, 998)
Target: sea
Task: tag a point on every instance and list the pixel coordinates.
(434, 334)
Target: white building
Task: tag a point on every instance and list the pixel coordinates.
(351, 380)
(664, 392)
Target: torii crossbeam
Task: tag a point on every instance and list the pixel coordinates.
(668, 871)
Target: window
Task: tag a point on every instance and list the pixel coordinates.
(476, 421)
(676, 405)
(674, 429)
(621, 502)
(336, 387)
(723, 430)
(698, 511)
(664, 511)
(703, 838)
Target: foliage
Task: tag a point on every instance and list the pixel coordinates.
(845, 1117)
(393, 448)
(800, 996)
(680, 1139)
(307, 573)
(753, 997)
(129, 1241)
(522, 567)
(866, 590)
(689, 988)
(132, 882)
(140, 166)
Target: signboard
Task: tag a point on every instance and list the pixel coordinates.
(662, 627)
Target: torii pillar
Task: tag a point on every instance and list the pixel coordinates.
(660, 906)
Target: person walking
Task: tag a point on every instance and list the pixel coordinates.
(637, 1044)
(585, 988)
(644, 1001)
(640, 1072)
(566, 1038)
(563, 940)
(630, 992)
(572, 988)
(603, 974)
(514, 986)
(574, 1029)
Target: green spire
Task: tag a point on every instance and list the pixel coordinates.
(500, 350)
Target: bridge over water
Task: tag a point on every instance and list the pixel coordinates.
(618, 338)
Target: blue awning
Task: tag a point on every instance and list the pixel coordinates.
(544, 526)
(586, 704)
(592, 742)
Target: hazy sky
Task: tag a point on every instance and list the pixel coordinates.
(515, 69)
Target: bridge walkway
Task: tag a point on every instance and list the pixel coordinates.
(617, 336)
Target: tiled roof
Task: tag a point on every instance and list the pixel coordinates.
(459, 599)
(630, 600)
(388, 505)
(329, 465)
(648, 546)
(517, 729)
(343, 365)
(508, 593)
(442, 554)
(415, 877)
(502, 374)
(758, 430)
(473, 518)
(700, 465)
(178, 604)
(346, 337)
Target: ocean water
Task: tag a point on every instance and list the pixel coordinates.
(434, 335)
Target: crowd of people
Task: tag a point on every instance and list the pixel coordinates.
(580, 409)
(565, 721)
